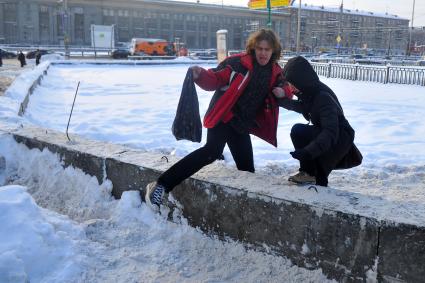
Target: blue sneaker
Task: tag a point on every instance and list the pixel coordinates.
(154, 195)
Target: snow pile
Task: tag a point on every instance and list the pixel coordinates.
(19, 88)
(111, 240)
(36, 245)
(80, 198)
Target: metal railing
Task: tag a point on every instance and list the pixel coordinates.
(380, 74)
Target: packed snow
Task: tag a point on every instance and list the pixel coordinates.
(99, 239)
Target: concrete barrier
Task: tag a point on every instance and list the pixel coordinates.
(31, 89)
(348, 247)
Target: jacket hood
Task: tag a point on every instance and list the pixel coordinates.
(301, 74)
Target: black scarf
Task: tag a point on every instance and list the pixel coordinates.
(252, 98)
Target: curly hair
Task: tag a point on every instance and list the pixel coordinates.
(267, 35)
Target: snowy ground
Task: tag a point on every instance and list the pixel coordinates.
(135, 106)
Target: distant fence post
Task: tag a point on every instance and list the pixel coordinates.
(329, 69)
(356, 73)
(387, 75)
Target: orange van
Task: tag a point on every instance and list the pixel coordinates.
(152, 47)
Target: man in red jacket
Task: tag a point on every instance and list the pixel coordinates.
(243, 104)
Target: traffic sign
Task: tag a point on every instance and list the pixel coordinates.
(338, 39)
(262, 4)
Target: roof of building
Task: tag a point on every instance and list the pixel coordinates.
(349, 11)
(305, 7)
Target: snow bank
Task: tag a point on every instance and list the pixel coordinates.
(36, 245)
(112, 241)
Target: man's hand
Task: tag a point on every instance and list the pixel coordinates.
(196, 71)
(301, 154)
(282, 92)
(278, 92)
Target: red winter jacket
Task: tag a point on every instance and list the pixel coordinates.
(229, 80)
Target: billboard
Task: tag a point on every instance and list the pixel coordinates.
(102, 36)
(262, 4)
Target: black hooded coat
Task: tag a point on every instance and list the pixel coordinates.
(333, 147)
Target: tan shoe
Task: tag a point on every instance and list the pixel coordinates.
(302, 178)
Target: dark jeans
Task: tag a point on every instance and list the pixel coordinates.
(239, 144)
(321, 166)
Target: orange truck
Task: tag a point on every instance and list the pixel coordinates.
(152, 47)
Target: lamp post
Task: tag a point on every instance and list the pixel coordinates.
(314, 44)
(65, 23)
(389, 43)
(269, 8)
(299, 28)
(339, 37)
(409, 44)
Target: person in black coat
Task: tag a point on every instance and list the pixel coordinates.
(1, 58)
(21, 58)
(322, 146)
(37, 57)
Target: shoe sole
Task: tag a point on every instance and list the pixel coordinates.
(301, 182)
(152, 206)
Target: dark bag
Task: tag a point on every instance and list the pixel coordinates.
(187, 123)
(352, 159)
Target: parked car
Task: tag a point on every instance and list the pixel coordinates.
(31, 54)
(120, 53)
(207, 54)
(356, 56)
(7, 54)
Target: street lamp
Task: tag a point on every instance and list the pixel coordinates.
(299, 28)
(65, 23)
(389, 43)
(409, 44)
(314, 44)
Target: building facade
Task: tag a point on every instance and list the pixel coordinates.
(52, 22)
(323, 27)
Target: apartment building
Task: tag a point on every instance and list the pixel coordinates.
(324, 27)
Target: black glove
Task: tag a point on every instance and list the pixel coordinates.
(301, 154)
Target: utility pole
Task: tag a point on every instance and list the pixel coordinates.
(409, 44)
(269, 8)
(389, 43)
(65, 19)
(339, 38)
(299, 28)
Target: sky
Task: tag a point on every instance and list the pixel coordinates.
(402, 8)
(83, 235)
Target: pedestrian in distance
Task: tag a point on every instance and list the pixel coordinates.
(37, 57)
(243, 104)
(325, 145)
(1, 58)
(21, 58)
